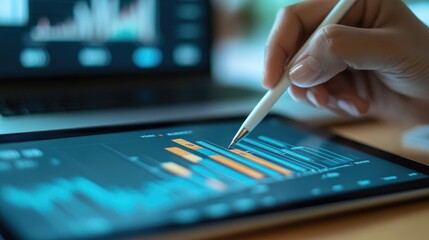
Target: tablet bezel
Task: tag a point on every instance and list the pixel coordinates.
(409, 189)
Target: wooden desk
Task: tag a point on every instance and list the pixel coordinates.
(401, 221)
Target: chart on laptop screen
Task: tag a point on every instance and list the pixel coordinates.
(46, 37)
(102, 21)
(144, 179)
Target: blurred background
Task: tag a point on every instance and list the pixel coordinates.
(143, 42)
(243, 26)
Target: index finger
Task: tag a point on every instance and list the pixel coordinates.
(293, 25)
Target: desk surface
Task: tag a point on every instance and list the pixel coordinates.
(400, 221)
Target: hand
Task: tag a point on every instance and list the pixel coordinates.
(375, 61)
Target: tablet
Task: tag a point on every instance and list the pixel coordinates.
(179, 179)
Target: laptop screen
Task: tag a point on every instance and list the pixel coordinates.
(48, 38)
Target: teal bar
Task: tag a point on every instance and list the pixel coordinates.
(296, 155)
(229, 172)
(277, 151)
(272, 141)
(204, 172)
(272, 158)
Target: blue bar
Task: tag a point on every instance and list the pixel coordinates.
(202, 171)
(267, 156)
(240, 159)
(296, 155)
(216, 169)
(191, 186)
(206, 152)
(152, 193)
(275, 150)
(323, 157)
(282, 145)
(213, 173)
(228, 171)
(307, 164)
(272, 141)
(200, 181)
(319, 154)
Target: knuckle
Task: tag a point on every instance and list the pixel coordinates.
(332, 31)
(319, 44)
(282, 13)
(331, 43)
(329, 46)
(332, 35)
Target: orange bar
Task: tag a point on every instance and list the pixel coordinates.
(177, 169)
(187, 144)
(237, 166)
(184, 154)
(262, 162)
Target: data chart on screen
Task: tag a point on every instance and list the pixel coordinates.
(145, 179)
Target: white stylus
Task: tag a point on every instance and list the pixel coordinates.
(271, 97)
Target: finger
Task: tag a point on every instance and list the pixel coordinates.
(343, 90)
(298, 94)
(318, 96)
(339, 94)
(280, 45)
(292, 26)
(275, 58)
(345, 110)
(335, 48)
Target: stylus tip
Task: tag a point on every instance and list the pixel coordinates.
(240, 135)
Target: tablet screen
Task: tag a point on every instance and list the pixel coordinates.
(164, 178)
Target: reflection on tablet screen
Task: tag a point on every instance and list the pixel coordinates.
(91, 185)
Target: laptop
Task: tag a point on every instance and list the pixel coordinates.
(68, 64)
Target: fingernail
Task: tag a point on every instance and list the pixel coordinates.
(349, 108)
(264, 85)
(305, 72)
(266, 82)
(312, 98)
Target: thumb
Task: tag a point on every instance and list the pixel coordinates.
(335, 48)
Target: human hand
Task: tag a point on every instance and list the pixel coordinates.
(375, 61)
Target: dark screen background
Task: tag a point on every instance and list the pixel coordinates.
(181, 43)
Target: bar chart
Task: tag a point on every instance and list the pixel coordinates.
(261, 158)
(147, 179)
(207, 170)
(103, 21)
(210, 169)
